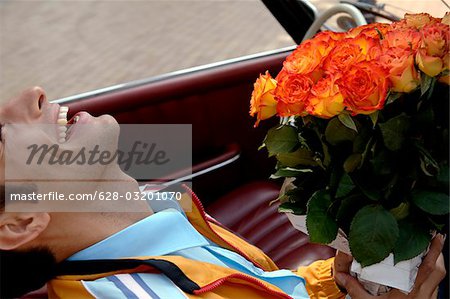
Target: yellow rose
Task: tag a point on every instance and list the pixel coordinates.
(402, 73)
(419, 20)
(326, 100)
(263, 102)
(433, 48)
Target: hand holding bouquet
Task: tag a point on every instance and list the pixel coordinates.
(364, 134)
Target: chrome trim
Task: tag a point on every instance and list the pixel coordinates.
(137, 83)
(206, 170)
(310, 6)
(354, 12)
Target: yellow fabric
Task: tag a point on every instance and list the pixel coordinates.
(67, 289)
(209, 274)
(319, 280)
(223, 237)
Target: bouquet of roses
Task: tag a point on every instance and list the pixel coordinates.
(363, 135)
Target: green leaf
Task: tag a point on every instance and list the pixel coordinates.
(392, 97)
(290, 207)
(322, 227)
(353, 162)
(373, 235)
(347, 121)
(374, 117)
(366, 184)
(425, 83)
(424, 118)
(382, 163)
(336, 132)
(348, 208)
(443, 177)
(431, 89)
(413, 239)
(345, 186)
(401, 211)
(438, 226)
(427, 163)
(394, 131)
(302, 156)
(281, 139)
(288, 172)
(433, 203)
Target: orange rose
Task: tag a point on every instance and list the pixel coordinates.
(306, 58)
(343, 55)
(350, 51)
(370, 30)
(263, 102)
(415, 21)
(402, 73)
(326, 100)
(405, 38)
(433, 48)
(330, 38)
(292, 93)
(364, 87)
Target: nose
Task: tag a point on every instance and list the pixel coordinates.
(24, 107)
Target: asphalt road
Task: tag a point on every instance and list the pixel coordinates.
(69, 47)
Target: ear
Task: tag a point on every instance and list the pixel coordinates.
(17, 229)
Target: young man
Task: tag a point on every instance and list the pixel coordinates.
(162, 252)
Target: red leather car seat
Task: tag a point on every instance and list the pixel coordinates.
(246, 211)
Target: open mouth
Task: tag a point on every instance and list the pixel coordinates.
(64, 125)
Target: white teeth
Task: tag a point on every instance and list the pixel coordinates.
(76, 118)
(62, 122)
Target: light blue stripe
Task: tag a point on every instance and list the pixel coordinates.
(103, 288)
(142, 283)
(126, 291)
(290, 283)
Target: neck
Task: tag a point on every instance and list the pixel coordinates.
(70, 232)
(87, 229)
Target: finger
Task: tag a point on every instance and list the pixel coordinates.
(429, 262)
(342, 262)
(431, 283)
(353, 287)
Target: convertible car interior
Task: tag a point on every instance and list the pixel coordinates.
(229, 174)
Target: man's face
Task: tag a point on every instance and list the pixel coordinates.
(28, 238)
(29, 122)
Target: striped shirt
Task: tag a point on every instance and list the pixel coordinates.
(166, 232)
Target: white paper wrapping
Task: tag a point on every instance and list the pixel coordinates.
(376, 277)
(340, 243)
(400, 276)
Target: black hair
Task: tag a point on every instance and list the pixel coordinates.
(23, 272)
